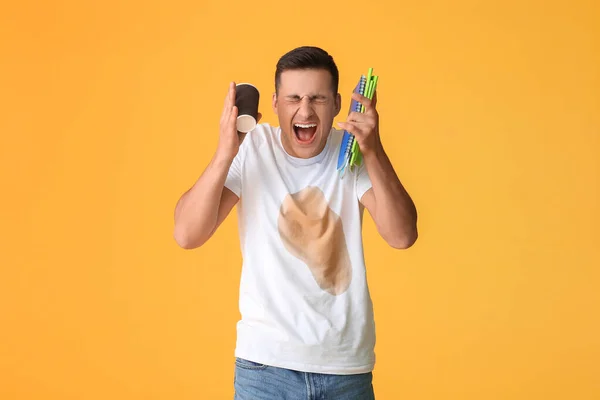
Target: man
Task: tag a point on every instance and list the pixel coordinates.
(307, 328)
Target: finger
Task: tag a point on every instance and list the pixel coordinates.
(365, 101)
(230, 124)
(233, 117)
(227, 103)
(374, 101)
(225, 114)
(230, 94)
(352, 128)
(358, 117)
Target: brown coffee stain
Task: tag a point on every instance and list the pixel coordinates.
(312, 232)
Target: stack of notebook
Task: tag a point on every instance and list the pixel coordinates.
(350, 155)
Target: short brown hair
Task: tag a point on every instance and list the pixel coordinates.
(307, 57)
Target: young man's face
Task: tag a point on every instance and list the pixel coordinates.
(306, 105)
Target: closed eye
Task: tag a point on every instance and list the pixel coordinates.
(293, 99)
(318, 99)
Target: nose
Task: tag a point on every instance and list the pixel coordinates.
(305, 110)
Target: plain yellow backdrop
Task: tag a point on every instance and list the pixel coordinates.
(490, 112)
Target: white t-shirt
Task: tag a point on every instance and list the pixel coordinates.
(304, 299)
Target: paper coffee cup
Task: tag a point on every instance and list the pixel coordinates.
(247, 97)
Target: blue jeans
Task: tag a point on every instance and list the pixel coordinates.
(255, 381)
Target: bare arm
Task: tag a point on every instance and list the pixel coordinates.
(388, 202)
(202, 209)
(390, 206)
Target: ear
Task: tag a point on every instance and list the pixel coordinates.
(338, 104)
(274, 102)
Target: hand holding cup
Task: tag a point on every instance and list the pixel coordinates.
(240, 115)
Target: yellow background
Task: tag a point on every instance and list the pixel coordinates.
(490, 112)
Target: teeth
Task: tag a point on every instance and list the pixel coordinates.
(305, 125)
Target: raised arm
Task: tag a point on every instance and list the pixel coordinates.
(388, 202)
(202, 209)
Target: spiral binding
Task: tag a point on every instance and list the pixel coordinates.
(348, 139)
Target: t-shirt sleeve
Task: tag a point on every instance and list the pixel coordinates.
(233, 181)
(363, 182)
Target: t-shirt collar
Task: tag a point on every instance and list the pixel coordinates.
(305, 161)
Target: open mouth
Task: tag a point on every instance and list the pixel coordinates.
(305, 133)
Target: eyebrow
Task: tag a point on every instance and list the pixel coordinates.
(314, 96)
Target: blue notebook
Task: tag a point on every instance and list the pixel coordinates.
(348, 138)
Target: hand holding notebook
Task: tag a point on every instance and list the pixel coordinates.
(362, 123)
